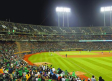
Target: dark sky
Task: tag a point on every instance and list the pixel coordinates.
(83, 12)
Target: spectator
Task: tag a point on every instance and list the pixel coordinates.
(1, 70)
(63, 78)
(54, 77)
(93, 78)
(100, 79)
(59, 78)
(88, 79)
(53, 69)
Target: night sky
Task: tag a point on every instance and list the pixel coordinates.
(42, 12)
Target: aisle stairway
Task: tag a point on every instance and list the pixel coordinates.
(18, 46)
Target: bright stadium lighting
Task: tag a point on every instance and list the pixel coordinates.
(107, 9)
(63, 10)
(102, 9)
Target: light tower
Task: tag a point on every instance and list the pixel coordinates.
(64, 11)
(107, 9)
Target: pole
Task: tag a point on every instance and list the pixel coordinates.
(68, 19)
(63, 19)
(58, 20)
(110, 17)
(104, 18)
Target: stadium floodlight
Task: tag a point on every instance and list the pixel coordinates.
(63, 10)
(103, 9)
(107, 9)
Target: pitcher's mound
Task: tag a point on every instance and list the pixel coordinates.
(42, 63)
(78, 73)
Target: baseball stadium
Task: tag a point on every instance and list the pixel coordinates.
(51, 53)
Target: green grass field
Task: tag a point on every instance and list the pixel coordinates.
(77, 53)
(98, 66)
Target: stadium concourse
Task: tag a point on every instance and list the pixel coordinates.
(18, 40)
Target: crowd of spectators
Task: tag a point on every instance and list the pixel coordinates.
(91, 45)
(14, 68)
(59, 46)
(34, 47)
(55, 37)
(28, 28)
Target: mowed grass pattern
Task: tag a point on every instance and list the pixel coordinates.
(98, 66)
(78, 53)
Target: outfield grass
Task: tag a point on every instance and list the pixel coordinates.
(77, 53)
(98, 66)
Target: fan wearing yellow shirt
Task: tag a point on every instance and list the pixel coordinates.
(28, 76)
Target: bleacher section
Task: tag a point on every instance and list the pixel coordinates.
(38, 29)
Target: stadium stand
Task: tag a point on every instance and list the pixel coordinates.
(18, 39)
